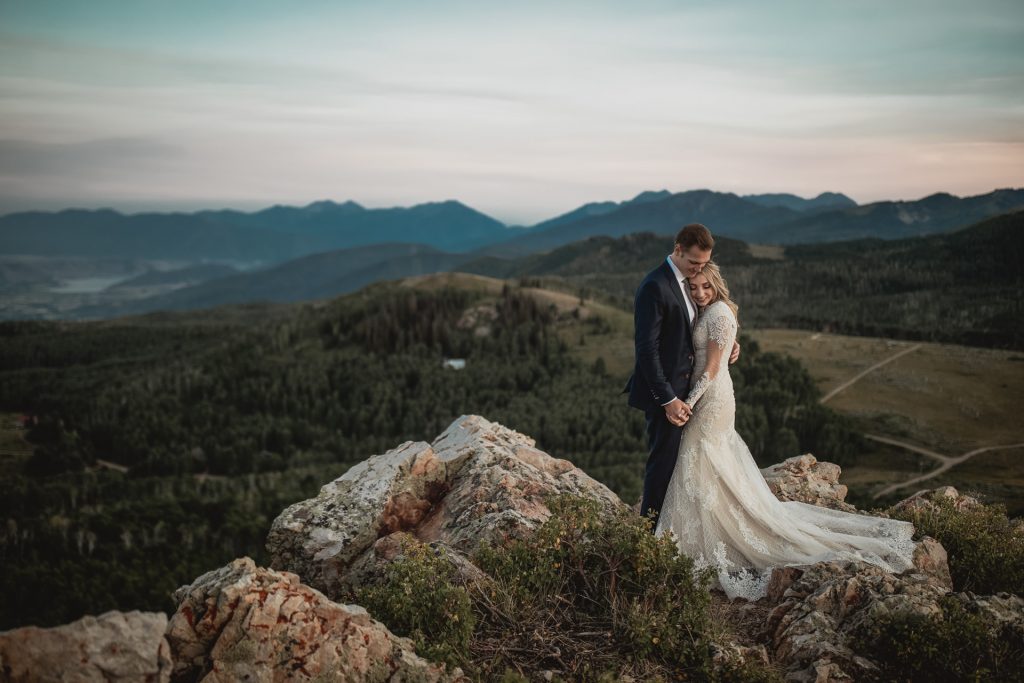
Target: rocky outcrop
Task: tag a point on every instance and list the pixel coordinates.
(477, 482)
(818, 608)
(1001, 609)
(803, 478)
(929, 499)
(115, 647)
(242, 622)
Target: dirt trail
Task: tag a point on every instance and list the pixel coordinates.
(910, 447)
(948, 462)
(874, 367)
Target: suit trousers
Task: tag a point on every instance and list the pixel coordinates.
(663, 445)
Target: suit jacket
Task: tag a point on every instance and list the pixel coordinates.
(664, 344)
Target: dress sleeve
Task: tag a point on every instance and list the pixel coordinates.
(721, 325)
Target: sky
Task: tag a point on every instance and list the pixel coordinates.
(521, 110)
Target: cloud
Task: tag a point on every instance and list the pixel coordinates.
(49, 160)
(534, 104)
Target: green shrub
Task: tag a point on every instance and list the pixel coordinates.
(598, 591)
(985, 547)
(747, 672)
(419, 598)
(954, 646)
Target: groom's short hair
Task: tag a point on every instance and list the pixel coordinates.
(695, 234)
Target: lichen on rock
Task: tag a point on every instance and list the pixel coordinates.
(478, 482)
(114, 646)
(243, 622)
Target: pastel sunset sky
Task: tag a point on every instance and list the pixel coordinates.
(522, 110)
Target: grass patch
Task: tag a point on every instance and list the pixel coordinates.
(588, 596)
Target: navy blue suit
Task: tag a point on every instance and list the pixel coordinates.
(664, 363)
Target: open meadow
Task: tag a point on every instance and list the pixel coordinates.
(928, 402)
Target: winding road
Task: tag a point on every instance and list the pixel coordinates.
(945, 461)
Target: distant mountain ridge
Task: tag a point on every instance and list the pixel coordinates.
(272, 235)
(599, 209)
(934, 214)
(725, 212)
(823, 202)
(280, 233)
(357, 246)
(768, 219)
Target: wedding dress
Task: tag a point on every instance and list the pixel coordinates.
(720, 510)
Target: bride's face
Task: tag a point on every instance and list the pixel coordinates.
(700, 290)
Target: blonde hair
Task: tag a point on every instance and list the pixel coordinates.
(714, 276)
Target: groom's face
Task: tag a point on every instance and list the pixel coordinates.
(691, 261)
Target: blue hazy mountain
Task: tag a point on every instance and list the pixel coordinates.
(599, 209)
(823, 202)
(282, 233)
(934, 214)
(661, 213)
(760, 222)
(270, 235)
(592, 260)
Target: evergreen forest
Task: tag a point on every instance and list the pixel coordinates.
(138, 453)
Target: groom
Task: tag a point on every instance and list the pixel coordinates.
(663, 317)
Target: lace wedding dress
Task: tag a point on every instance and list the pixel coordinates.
(719, 507)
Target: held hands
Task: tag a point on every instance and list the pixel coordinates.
(735, 355)
(677, 412)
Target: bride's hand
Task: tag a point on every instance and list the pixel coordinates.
(677, 412)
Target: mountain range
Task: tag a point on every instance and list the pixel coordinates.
(271, 235)
(280, 233)
(326, 248)
(614, 265)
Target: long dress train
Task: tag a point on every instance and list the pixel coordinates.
(719, 507)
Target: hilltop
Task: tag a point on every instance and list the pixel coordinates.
(906, 289)
(477, 556)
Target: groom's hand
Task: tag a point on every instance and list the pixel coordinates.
(735, 355)
(677, 412)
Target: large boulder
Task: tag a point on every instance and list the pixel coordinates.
(115, 647)
(242, 622)
(805, 479)
(478, 482)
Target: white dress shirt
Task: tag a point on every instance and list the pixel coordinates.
(691, 308)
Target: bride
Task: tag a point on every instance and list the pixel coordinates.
(718, 506)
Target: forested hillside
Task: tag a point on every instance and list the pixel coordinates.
(163, 446)
(963, 287)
